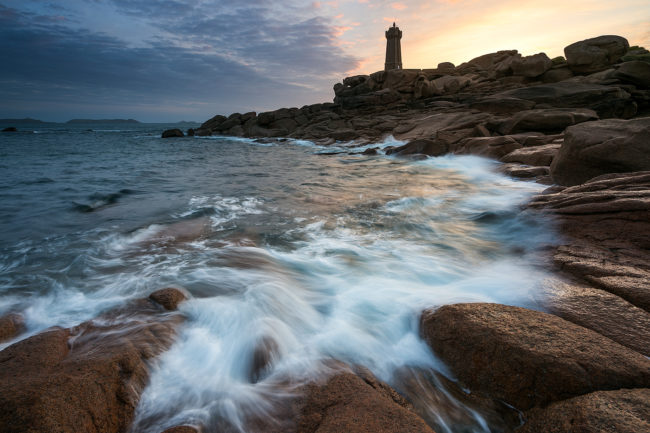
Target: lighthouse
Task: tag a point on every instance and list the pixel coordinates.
(393, 48)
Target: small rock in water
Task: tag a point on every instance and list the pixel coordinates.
(169, 298)
(11, 325)
(172, 133)
(10, 129)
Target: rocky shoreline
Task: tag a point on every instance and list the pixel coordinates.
(579, 364)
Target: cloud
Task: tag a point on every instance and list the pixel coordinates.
(220, 59)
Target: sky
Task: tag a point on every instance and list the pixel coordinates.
(172, 60)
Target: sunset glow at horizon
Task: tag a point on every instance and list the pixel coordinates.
(191, 59)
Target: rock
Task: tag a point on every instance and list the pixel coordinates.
(528, 358)
(190, 132)
(182, 429)
(349, 403)
(450, 84)
(557, 74)
(172, 133)
(202, 132)
(87, 378)
(10, 129)
(344, 134)
(549, 120)
(169, 298)
(11, 325)
(621, 411)
(491, 147)
(605, 224)
(636, 72)
(607, 101)
(421, 146)
(370, 151)
(607, 146)
(595, 54)
(213, 123)
(488, 61)
(540, 174)
(600, 311)
(531, 66)
(537, 156)
(502, 105)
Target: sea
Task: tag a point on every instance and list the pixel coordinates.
(331, 254)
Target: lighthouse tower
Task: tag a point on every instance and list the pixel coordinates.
(393, 48)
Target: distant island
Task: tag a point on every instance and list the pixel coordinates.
(77, 121)
(20, 121)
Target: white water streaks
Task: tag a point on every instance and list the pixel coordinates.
(346, 291)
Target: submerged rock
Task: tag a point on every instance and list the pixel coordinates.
(10, 129)
(528, 358)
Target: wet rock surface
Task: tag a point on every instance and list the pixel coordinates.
(528, 358)
(87, 378)
(621, 411)
(600, 311)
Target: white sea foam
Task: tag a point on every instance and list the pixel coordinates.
(348, 294)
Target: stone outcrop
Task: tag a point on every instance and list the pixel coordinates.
(87, 378)
(606, 227)
(607, 146)
(595, 54)
(621, 411)
(528, 358)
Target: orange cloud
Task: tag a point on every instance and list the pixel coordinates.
(398, 6)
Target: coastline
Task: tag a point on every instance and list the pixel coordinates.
(586, 352)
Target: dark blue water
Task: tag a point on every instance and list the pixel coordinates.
(329, 256)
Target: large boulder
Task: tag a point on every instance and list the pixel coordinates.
(595, 54)
(620, 411)
(606, 146)
(528, 358)
(87, 378)
(531, 66)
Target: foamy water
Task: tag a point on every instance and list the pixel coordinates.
(316, 257)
